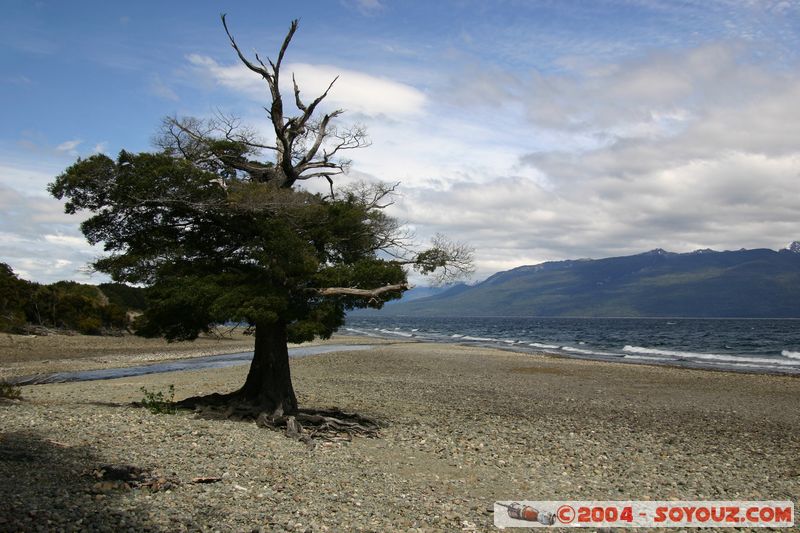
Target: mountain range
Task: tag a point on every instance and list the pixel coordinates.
(757, 283)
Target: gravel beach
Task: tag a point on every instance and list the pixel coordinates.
(466, 427)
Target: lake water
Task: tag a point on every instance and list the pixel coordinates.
(763, 346)
(193, 363)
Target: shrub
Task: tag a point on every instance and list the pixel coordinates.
(12, 392)
(90, 325)
(159, 403)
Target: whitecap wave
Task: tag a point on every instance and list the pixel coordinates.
(586, 352)
(360, 332)
(394, 332)
(545, 346)
(647, 358)
(713, 357)
(790, 355)
(476, 339)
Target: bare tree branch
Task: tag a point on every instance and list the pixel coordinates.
(297, 100)
(372, 294)
(259, 70)
(299, 139)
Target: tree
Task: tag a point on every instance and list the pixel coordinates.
(13, 293)
(218, 231)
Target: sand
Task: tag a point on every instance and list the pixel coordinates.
(466, 427)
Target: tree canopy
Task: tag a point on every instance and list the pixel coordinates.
(214, 224)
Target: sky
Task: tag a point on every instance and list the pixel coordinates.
(531, 130)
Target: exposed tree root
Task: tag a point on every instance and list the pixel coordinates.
(322, 424)
(307, 425)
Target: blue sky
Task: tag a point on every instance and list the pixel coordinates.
(532, 130)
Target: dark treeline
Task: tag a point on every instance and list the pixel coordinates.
(65, 305)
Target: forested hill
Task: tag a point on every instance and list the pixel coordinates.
(65, 305)
(757, 283)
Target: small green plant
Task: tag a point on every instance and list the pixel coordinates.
(12, 392)
(157, 402)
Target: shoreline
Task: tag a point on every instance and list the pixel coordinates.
(610, 360)
(22, 355)
(47, 359)
(698, 366)
(90, 353)
(467, 426)
(619, 345)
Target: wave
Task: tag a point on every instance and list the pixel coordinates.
(545, 346)
(710, 356)
(477, 339)
(360, 332)
(587, 352)
(399, 333)
(647, 358)
(790, 355)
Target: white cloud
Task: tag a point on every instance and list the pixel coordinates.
(69, 146)
(30, 176)
(684, 150)
(354, 91)
(67, 240)
(365, 7)
(681, 150)
(38, 240)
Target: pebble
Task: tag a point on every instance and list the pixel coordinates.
(464, 431)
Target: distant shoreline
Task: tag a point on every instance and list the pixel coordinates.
(378, 314)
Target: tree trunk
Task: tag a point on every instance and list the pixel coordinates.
(269, 383)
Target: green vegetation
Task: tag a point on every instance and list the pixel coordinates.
(9, 391)
(64, 305)
(124, 296)
(13, 295)
(157, 402)
(213, 225)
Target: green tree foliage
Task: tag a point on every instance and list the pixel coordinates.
(124, 296)
(73, 306)
(252, 256)
(218, 234)
(13, 294)
(63, 305)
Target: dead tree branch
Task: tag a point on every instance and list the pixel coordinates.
(372, 294)
(305, 147)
